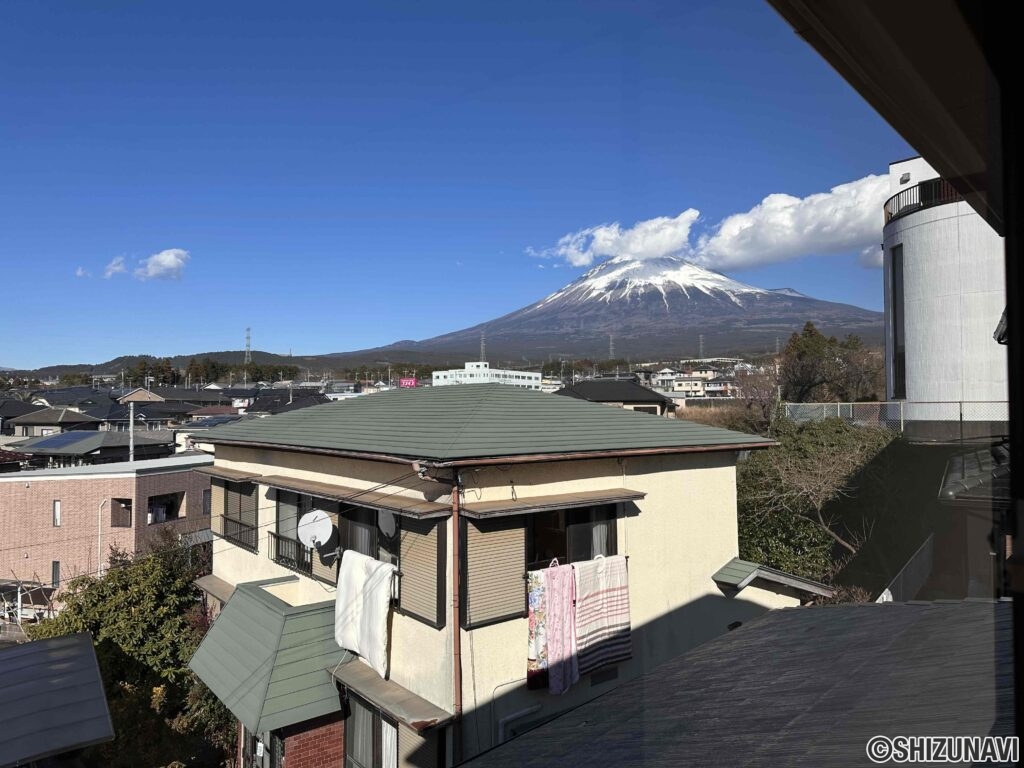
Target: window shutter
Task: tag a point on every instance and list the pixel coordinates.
(217, 504)
(422, 549)
(494, 571)
(420, 749)
(247, 504)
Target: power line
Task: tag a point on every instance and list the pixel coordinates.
(272, 522)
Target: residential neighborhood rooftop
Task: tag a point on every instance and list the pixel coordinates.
(51, 700)
(613, 390)
(475, 422)
(83, 443)
(797, 686)
(177, 462)
(53, 416)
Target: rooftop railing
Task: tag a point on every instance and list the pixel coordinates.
(927, 194)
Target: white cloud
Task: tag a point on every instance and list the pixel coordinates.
(82, 272)
(780, 228)
(116, 266)
(166, 265)
(645, 239)
(871, 257)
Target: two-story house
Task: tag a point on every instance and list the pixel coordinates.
(473, 496)
(690, 386)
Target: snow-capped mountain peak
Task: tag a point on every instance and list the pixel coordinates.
(624, 279)
(789, 292)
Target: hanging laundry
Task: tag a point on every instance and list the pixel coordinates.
(537, 645)
(603, 630)
(361, 608)
(563, 670)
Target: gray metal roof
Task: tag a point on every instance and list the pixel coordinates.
(475, 421)
(614, 391)
(47, 416)
(86, 442)
(51, 699)
(175, 463)
(266, 660)
(799, 686)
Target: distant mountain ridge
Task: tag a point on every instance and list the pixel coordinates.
(659, 307)
(656, 308)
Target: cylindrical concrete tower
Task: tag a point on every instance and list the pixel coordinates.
(944, 295)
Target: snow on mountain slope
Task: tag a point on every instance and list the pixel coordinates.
(624, 278)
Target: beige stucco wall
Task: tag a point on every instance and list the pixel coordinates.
(421, 656)
(683, 531)
(676, 538)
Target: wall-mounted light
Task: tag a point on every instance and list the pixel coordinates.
(904, 178)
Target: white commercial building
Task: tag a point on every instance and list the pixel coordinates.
(944, 296)
(482, 373)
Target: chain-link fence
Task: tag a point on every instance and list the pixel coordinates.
(936, 421)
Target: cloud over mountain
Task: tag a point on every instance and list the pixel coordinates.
(780, 228)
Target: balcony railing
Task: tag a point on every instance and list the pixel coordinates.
(290, 553)
(239, 533)
(927, 194)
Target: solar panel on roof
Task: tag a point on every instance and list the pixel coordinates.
(62, 440)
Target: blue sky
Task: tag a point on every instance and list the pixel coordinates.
(343, 175)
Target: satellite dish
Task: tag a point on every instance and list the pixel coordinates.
(315, 528)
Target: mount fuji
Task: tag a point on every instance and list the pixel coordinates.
(656, 307)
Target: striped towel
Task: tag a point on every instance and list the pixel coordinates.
(602, 612)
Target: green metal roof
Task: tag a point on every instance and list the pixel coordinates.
(473, 421)
(265, 659)
(737, 574)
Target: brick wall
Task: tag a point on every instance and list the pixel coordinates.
(316, 743)
(30, 541)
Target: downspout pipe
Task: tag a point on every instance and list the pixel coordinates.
(456, 621)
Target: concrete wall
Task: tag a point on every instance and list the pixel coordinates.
(676, 538)
(31, 542)
(954, 295)
(918, 169)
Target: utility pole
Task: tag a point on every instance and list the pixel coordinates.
(701, 353)
(611, 347)
(131, 431)
(248, 357)
(483, 346)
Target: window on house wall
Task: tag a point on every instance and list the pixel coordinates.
(371, 738)
(570, 535)
(121, 513)
(56, 513)
(164, 507)
(55, 574)
(899, 344)
(370, 532)
(207, 501)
